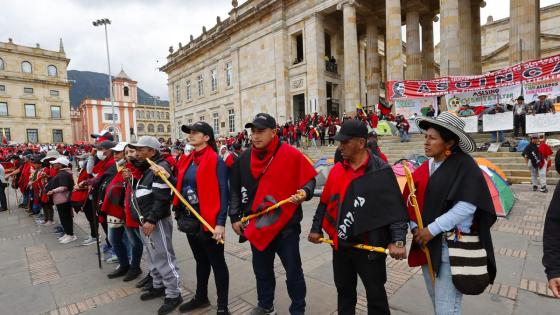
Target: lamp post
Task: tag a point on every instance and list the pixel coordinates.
(104, 22)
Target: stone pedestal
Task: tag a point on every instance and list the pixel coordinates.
(393, 40)
(524, 25)
(428, 63)
(413, 55)
(351, 57)
(373, 69)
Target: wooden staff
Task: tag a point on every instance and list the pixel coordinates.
(184, 202)
(360, 246)
(267, 210)
(412, 196)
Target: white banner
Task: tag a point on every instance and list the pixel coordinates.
(542, 123)
(409, 107)
(471, 123)
(489, 97)
(532, 90)
(496, 122)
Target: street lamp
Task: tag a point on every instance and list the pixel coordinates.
(104, 22)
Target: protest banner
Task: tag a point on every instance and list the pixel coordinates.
(497, 122)
(488, 97)
(471, 123)
(531, 90)
(542, 123)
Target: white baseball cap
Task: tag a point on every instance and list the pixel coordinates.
(61, 160)
(119, 147)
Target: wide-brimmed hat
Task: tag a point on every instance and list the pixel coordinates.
(452, 123)
(52, 154)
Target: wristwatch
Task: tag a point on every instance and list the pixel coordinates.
(399, 244)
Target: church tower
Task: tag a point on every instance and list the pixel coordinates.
(124, 88)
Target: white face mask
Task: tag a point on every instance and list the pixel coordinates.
(82, 164)
(100, 155)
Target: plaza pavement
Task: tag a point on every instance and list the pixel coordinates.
(40, 276)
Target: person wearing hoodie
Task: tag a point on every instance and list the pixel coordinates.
(536, 156)
(59, 187)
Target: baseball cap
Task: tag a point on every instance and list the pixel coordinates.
(119, 147)
(262, 121)
(352, 128)
(200, 126)
(372, 134)
(61, 160)
(105, 145)
(146, 142)
(103, 135)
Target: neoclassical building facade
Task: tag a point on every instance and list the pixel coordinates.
(153, 120)
(292, 57)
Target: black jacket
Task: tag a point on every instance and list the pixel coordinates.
(551, 238)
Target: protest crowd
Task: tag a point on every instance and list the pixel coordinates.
(131, 192)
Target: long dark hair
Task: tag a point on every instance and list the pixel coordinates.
(447, 136)
(212, 144)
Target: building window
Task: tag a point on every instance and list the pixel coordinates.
(229, 73)
(167, 115)
(32, 135)
(214, 77)
(160, 128)
(55, 112)
(150, 128)
(200, 85)
(177, 94)
(2, 65)
(27, 90)
(140, 128)
(189, 121)
(201, 118)
(189, 91)
(57, 136)
(2, 88)
(52, 72)
(26, 67)
(3, 109)
(168, 128)
(6, 132)
(54, 93)
(109, 116)
(216, 123)
(158, 116)
(328, 50)
(297, 48)
(30, 110)
(231, 120)
(126, 91)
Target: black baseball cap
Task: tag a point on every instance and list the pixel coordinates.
(262, 121)
(105, 145)
(200, 126)
(352, 128)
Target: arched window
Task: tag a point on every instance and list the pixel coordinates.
(126, 91)
(2, 65)
(150, 128)
(167, 115)
(158, 115)
(51, 70)
(26, 67)
(160, 128)
(140, 127)
(169, 128)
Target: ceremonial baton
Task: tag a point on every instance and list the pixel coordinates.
(360, 246)
(184, 202)
(412, 196)
(267, 210)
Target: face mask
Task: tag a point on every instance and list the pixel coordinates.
(100, 155)
(141, 165)
(82, 164)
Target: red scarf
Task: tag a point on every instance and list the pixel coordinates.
(103, 165)
(261, 157)
(544, 152)
(206, 182)
(129, 220)
(79, 195)
(113, 201)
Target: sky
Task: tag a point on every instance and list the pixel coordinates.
(140, 33)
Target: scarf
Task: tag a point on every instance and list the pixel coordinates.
(136, 175)
(545, 152)
(103, 165)
(261, 157)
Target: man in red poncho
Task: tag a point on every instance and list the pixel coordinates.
(537, 155)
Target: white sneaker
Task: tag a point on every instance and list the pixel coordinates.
(63, 236)
(88, 241)
(71, 238)
(48, 223)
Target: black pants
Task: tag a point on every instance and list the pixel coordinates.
(287, 248)
(518, 123)
(89, 212)
(331, 140)
(347, 265)
(3, 201)
(209, 255)
(49, 211)
(322, 140)
(65, 215)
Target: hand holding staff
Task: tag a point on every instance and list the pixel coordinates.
(299, 195)
(360, 246)
(183, 201)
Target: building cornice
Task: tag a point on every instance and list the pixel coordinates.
(36, 81)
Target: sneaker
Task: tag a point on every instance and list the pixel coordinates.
(62, 237)
(49, 223)
(69, 239)
(152, 294)
(119, 272)
(535, 187)
(106, 248)
(261, 311)
(169, 304)
(193, 304)
(41, 222)
(132, 274)
(112, 260)
(88, 241)
(149, 286)
(222, 311)
(544, 189)
(147, 279)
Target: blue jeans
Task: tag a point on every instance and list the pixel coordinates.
(497, 134)
(287, 248)
(403, 135)
(116, 238)
(446, 299)
(136, 246)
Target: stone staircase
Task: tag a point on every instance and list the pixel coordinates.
(512, 163)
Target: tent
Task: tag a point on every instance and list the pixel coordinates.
(485, 162)
(398, 169)
(323, 166)
(502, 195)
(384, 128)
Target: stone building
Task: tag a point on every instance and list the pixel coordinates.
(292, 57)
(97, 115)
(153, 120)
(34, 94)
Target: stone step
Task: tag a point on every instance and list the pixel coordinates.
(527, 180)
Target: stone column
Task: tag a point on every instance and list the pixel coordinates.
(413, 55)
(373, 70)
(315, 62)
(450, 48)
(393, 40)
(428, 63)
(524, 25)
(351, 57)
(476, 37)
(465, 39)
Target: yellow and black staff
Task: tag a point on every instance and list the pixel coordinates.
(184, 202)
(412, 196)
(369, 248)
(267, 210)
